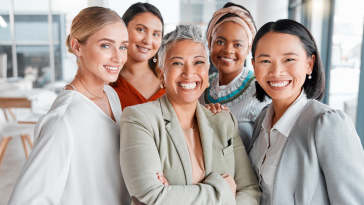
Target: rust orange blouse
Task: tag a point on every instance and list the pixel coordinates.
(130, 96)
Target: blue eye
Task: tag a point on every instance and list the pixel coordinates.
(156, 34)
(123, 47)
(105, 46)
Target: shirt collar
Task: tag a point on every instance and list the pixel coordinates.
(219, 87)
(287, 121)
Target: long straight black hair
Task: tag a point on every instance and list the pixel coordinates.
(314, 87)
(139, 8)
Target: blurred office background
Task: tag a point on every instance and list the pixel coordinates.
(34, 60)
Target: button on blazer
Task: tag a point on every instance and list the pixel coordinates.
(152, 141)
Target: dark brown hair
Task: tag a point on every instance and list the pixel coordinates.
(139, 8)
(314, 87)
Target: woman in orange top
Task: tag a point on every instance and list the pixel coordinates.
(138, 80)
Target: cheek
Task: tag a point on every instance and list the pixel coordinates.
(260, 73)
(134, 37)
(242, 54)
(157, 43)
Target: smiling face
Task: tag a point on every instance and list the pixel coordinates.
(281, 65)
(185, 72)
(145, 36)
(105, 51)
(229, 48)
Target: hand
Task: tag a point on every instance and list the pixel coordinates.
(230, 180)
(216, 108)
(162, 179)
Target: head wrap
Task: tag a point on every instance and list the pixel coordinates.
(244, 19)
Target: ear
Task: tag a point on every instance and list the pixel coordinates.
(76, 47)
(161, 76)
(253, 63)
(311, 63)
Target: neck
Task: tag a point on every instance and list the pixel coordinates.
(185, 113)
(225, 79)
(135, 68)
(90, 83)
(281, 106)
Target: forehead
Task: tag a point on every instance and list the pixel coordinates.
(186, 48)
(115, 31)
(231, 29)
(147, 19)
(279, 43)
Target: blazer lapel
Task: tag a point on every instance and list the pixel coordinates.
(174, 130)
(206, 136)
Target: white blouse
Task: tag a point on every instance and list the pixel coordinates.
(276, 137)
(75, 159)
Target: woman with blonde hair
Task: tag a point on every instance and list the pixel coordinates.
(75, 159)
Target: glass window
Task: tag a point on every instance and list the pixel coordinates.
(5, 40)
(345, 55)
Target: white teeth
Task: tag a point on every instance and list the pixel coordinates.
(188, 85)
(111, 68)
(143, 49)
(227, 59)
(282, 84)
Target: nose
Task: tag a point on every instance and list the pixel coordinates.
(276, 70)
(188, 71)
(147, 39)
(117, 56)
(229, 48)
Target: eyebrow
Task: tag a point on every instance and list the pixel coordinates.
(263, 55)
(199, 57)
(290, 53)
(147, 28)
(176, 57)
(125, 42)
(233, 40)
(106, 39)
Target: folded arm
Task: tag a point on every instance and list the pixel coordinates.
(140, 163)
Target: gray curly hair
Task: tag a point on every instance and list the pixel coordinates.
(182, 32)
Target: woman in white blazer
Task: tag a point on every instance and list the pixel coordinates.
(76, 157)
(302, 151)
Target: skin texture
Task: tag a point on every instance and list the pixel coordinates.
(186, 62)
(281, 57)
(145, 31)
(229, 41)
(106, 47)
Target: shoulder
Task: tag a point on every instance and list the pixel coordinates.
(150, 110)
(222, 118)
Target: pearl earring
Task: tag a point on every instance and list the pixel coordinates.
(309, 76)
(154, 59)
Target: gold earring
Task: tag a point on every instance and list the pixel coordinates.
(208, 85)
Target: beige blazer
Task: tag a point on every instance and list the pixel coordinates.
(152, 141)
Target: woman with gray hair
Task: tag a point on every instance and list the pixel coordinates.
(175, 138)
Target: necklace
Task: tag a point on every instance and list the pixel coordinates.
(90, 92)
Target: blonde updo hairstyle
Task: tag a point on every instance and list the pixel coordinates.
(89, 21)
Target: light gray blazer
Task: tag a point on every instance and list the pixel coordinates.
(152, 141)
(322, 161)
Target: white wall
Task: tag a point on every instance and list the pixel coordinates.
(264, 11)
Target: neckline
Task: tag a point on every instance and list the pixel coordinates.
(97, 108)
(136, 91)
